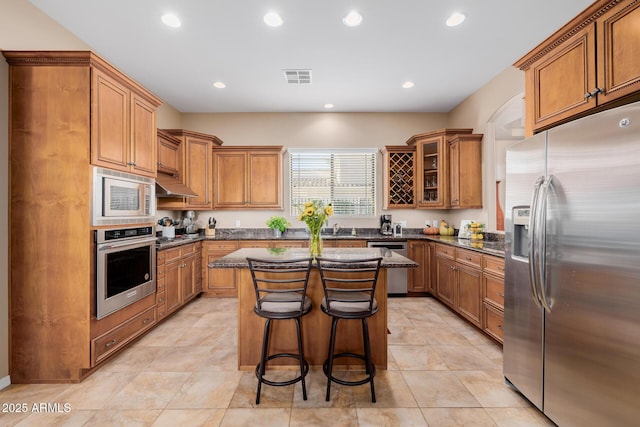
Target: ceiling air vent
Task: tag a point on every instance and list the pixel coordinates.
(298, 77)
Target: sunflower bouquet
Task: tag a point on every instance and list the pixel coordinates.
(314, 213)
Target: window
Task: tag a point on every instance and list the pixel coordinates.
(346, 178)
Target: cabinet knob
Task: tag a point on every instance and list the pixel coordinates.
(593, 93)
(500, 294)
(159, 163)
(145, 321)
(110, 343)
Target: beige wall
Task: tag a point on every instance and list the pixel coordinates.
(314, 130)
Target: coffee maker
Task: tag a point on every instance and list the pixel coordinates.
(385, 225)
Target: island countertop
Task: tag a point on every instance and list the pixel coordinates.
(238, 259)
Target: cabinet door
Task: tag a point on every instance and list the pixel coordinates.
(469, 301)
(198, 170)
(143, 137)
(109, 122)
(418, 251)
(219, 281)
(557, 83)
(230, 172)
(431, 274)
(433, 173)
(264, 183)
(454, 174)
(446, 275)
(172, 283)
(399, 177)
(188, 276)
(618, 52)
(169, 156)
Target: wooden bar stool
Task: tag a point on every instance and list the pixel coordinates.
(281, 294)
(349, 288)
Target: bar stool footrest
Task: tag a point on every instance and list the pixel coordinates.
(368, 379)
(283, 383)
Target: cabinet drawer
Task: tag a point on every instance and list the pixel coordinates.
(290, 244)
(161, 309)
(171, 254)
(494, 290)
(494, 322)
(161, 298)
(471, 258)
(188, 249)
(445, 251)
(161, 282)
(221, 246)
(255, 244)
(107, 344)
(493, 265)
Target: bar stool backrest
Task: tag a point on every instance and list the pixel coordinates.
(281, 286)
(350, 285)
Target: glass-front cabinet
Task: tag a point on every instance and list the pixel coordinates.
(433, 167)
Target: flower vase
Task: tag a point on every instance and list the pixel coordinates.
(315, 244)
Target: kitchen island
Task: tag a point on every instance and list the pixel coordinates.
(316, 325)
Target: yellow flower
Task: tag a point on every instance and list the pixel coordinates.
(300, 217)
(328, 210)
(309, 211)
(308, 204)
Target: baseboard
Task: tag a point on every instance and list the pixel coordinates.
(5, 382)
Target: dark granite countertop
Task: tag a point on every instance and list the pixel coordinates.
(492, 245)
(238, 259)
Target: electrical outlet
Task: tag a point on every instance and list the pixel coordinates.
(237, 223)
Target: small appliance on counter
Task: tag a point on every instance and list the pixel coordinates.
(190, 226)
(386, 228)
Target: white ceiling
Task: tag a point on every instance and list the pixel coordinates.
(356, 69)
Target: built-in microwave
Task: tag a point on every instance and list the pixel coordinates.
(122, 198)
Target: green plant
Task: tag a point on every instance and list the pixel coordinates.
(278, 223)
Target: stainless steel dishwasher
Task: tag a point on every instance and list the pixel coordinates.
(396, 277)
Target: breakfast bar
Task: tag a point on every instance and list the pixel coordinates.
(316, 325)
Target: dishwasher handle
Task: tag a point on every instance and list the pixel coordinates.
(392, 246)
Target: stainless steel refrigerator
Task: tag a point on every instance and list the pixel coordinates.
(572, 277)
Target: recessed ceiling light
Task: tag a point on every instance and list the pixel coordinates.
(329, 106)
(272, 19)
(171, 20)
(219, 85)
(352, 19)
(408, 85)
(455, 19)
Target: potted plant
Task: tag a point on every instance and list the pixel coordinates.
(279, 224)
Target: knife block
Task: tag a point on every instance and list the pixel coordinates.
(210, 232)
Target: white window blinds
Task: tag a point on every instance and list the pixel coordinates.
(345, 178)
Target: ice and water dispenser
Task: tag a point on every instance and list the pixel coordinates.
(520, 248)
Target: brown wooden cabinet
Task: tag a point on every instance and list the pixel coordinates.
(247, 177)
(459, 276)
(179, 273)
(449, 169)
(123, 125)
(493, 297)
(585, 66)
(419, 279)
(465, 171)
(399, 177)
(195, 151)
(169, 154)
(218, 282)
(53, 108)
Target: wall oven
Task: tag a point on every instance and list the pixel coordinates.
(125, 267)
(122, 198)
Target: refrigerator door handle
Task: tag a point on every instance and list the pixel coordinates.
(533, 226)
(541, 244)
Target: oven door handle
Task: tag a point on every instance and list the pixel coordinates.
(133, 243)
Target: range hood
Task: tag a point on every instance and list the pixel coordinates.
(169, 186)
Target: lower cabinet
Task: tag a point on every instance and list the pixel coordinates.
(179, 277)
(419, 279)
(218, 282)
(472, 284)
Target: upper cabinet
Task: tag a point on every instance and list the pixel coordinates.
(195, 171)
(399, 177)
(169, 154)
(123, 124)
(585, 66)
(449, 169)
(247, 177)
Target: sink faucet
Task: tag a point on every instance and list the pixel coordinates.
(336, 228)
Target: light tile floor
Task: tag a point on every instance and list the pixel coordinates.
(442, 372)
